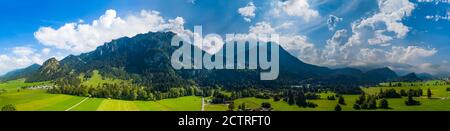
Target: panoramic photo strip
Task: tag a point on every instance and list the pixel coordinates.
(249, 57)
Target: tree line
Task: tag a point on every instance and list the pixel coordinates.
(125, 91)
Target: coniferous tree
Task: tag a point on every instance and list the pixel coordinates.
(429, 94)
(410, 101)
(301, 99)
(341, 100)
(338, 108)
(291, 99)
(372, 103)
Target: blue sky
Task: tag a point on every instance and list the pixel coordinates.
(405, 35)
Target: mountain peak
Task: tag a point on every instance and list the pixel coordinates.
(48, 71)
(51, 65)
(383, 69)
(51, 61)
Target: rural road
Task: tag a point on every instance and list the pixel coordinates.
(77, 104)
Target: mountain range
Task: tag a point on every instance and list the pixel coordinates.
(145, 59)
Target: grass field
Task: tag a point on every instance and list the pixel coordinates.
(190, 103)
(439, 102)
(39, 100)
(18, 84)
(97, 79)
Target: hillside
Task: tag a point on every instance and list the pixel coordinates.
(20, 73)
(412, 77)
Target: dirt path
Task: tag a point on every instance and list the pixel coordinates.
(77, 104)
(203, 103)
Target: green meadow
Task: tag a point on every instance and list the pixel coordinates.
(440, 100)
(18, 84)
(40, 100)
(97, 79)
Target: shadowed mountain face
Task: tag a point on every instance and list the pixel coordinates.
(380, 75)
(425, 76)
(145, 59)
(20, 73)
(412, 77)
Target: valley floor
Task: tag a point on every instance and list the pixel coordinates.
(39, 100)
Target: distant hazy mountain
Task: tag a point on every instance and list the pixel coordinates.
(145, 59)
(20, 73)
(412, 77)
(425, 76)
(348, 71)
(380, 75)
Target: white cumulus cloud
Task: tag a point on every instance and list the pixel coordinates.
(21, 57)
(387, 20)
(298, 8)
(248, 12)
(81, 37)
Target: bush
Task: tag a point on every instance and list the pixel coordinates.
(9, 107)
(266, 105)
(356, 106)
(312, 96)
(364, 106)
(411, 101)
(403, 93)
(311, 105)
(263, 96)
(276, 98)
(384, 104)
(2, 91)
(331, 98)
(390, 93)
(242, 107)
(231, 107)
